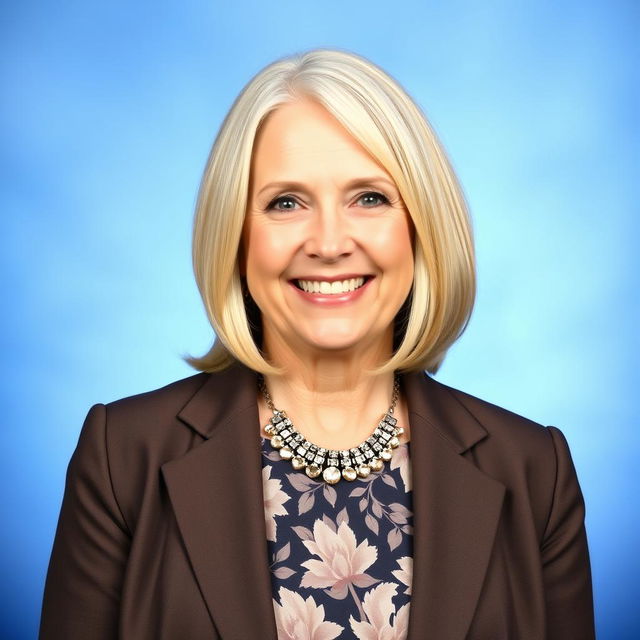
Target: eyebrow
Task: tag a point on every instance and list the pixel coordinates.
(356, 182)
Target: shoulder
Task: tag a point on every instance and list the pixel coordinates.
(504, 424)
(464, 413)
(145, 426)
(531, 460)
(507, 443)
(134, 436)
(160, 403)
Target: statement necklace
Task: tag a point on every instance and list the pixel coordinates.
(331, 463)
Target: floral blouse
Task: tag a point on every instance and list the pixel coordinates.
(341, 556)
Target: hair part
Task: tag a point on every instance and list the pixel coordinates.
(388, 124)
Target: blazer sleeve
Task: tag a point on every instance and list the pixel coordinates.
(565, 554)
(90, 548)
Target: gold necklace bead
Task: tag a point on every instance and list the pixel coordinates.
(298, 462)
(363, 470)
(313, 470)
(349, 474)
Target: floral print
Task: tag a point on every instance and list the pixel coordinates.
(341, 556)
(274, 500)
(341, 563)
(379, 608)
(300, 619)
(405, 572)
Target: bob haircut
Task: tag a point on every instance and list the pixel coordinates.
(390, 126)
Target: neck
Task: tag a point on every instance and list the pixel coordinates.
(328, 397)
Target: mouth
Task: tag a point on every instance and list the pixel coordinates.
(335, 294)
(335, 288)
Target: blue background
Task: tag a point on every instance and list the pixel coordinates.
(107, 117)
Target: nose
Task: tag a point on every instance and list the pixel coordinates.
(329, 235)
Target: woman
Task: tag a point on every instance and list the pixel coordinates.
(313, 481)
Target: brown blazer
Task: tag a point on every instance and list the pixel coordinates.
(162, 531)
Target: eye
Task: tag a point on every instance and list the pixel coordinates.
(290, 201)
(281, 199)
(374, 195)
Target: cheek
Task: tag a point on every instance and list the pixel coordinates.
(266, 252)
(394, 246)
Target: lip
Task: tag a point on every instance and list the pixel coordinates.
(332, 299)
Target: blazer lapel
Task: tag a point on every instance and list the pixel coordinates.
(216, 493)
(456, 508)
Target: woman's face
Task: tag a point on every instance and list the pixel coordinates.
(322, 211)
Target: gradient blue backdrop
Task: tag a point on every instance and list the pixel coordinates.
(107, 117)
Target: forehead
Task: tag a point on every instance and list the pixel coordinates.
(303, 136)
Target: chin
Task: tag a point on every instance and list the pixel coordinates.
(332, 345)
(335, 343)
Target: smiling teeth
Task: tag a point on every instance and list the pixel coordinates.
(344, 286)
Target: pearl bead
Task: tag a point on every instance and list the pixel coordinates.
(331, 475)
(286, 453)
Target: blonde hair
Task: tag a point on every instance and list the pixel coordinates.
(383, 118)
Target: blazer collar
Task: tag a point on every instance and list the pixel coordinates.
(216, 493)
(234, 389)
